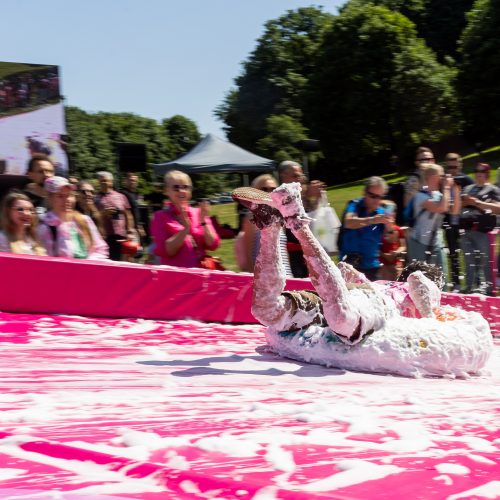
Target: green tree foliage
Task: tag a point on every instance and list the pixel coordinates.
(282, 132)
(439, 22)
(274, 77)
(377, 89)
(93, 137)
(89, 147)
(183, 134)
(479, 76)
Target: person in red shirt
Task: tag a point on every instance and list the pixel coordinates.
(393, 248)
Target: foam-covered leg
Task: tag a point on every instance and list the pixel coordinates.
(268, 305)
(349, 313)
(425, 294)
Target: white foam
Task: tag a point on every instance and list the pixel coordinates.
(487, 490)
(354, 472)
(404, 346)
(447, 468)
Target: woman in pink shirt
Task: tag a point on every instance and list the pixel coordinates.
(182, 234)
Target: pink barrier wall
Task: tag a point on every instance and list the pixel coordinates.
(120, 290)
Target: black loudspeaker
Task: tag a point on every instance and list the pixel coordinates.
(131, 157)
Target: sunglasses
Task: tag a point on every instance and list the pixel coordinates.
(267, 189)
(181, 187)
(22, 210)
(87, 191)
(374, 196)
(420, 160)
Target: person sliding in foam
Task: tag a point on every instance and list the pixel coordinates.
(344, 300)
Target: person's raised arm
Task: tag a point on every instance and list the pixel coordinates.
(443, 205)
(175, 242)
(210, 237)
(353, 221)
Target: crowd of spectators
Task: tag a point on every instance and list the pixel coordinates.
(29, 88)
(449, 219)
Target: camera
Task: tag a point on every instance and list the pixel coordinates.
(461, 180)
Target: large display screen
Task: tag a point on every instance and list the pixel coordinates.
(31, 116)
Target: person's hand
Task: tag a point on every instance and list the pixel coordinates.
(448, 182)
(184, 219)
(110, 211)
(314, 189)
(383, 219)
(468, 200)
(204, 210)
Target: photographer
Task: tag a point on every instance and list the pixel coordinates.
(425, 242)
(481, 201)
(363, 226)
(453, 168)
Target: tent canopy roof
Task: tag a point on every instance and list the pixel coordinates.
(212, 154)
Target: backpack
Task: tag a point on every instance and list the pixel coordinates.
(396, 193)
(409, 217)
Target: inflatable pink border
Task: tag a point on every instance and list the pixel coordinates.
(121, 290)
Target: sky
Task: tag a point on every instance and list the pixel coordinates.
(154, 58)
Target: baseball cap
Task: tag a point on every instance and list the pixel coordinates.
(55, 184)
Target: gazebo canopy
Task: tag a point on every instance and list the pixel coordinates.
(212, 154)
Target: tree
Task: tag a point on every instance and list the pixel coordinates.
(378, 89)
(93, 138)
(183, 133)
(274, 77)
(89, 147)
(440, 23)
(282, 133)
(479, 74)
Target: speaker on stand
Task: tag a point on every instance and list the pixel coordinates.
(131, 157)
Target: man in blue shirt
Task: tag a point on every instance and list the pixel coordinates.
(363, 227)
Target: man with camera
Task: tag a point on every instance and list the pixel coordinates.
(480, 201)
(453, 168)
(363, 226)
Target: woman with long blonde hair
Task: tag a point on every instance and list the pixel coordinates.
(65, 232)
(18, 223)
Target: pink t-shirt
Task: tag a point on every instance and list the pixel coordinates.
(115, 224)
(165, 224)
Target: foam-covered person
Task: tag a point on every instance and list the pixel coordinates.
(18, 227)
(344, 299)
(65, 232)
(182, 234)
